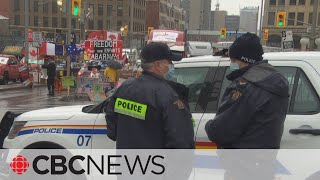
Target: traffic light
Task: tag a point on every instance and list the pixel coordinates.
(266, 34)
(76, 7)
(223, 33)
(281, 19)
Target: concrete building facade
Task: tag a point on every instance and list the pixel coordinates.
(165, 14)
(185, 4)
(218, 20)
(299, 15)
(232, 23)
(249, 19)
(107, 15)
(199, 14)
(5, 8)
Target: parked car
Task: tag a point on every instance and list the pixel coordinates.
(9, 69)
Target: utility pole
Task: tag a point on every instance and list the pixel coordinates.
(314, 24)
(83, 21)
(131, 25)
(69, 14)
(261, 19)
(26, 30)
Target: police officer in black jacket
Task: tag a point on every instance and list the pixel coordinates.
(145, 112)
(51, 71)
(254, 106)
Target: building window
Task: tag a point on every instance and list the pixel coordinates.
(45, 21)
(120, 10)
(35, 6)
(293, 2)
(45, 8)
(282, 2)
(16, 5)
(100, 9)
(17, 19)
(311, 2)
(273, 2)
(291, 19)
(36, 21)
(310, 18)
(74, 23)
(64, 22)
(100, 24)
(108, 25)
(109, 10)
(54, 7)
(302, 2)
(300, 19)
(119, 24)
(54, 22)
(91, 6)
(91, 25)
(271, 18)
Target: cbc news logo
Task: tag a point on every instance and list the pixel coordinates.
(19, 165)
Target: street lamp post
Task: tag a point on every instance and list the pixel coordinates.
(314, 24)
(69, 12)
(261, 18)
(131, 24)
(26, 30)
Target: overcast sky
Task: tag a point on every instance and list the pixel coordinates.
(233, 6)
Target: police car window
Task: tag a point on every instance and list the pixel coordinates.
(212, 91)
(290, 74)
(204, 87)
(225, 83)
(193, 79)
(306, 100)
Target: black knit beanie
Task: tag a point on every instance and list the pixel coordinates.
(247, 48)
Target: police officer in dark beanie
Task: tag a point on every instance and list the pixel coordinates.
(145, 112)
(254, 106)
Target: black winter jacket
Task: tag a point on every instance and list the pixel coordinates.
(253, 109)
(51, 70)
(167, 122)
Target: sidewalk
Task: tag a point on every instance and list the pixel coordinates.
(18, 86)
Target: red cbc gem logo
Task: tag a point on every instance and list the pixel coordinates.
(19, 165)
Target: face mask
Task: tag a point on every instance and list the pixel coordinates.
(170, 74)
(234, 66)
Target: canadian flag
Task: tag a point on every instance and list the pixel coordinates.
(33, 53)
(48, 49)
(113, 36)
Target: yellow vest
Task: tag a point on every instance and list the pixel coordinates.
(111, 74)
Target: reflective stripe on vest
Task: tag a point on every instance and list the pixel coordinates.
(130, 108)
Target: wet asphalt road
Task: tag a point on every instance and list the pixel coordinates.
(32, 99)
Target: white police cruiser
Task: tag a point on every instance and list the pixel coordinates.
(85, 126)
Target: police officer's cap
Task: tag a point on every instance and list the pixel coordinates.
(158, 51)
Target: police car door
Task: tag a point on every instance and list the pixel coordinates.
(302, 124)
(100, 139)
(203, 79)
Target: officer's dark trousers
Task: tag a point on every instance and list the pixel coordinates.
(50, 83)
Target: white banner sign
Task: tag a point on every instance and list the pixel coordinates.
(165, 36)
